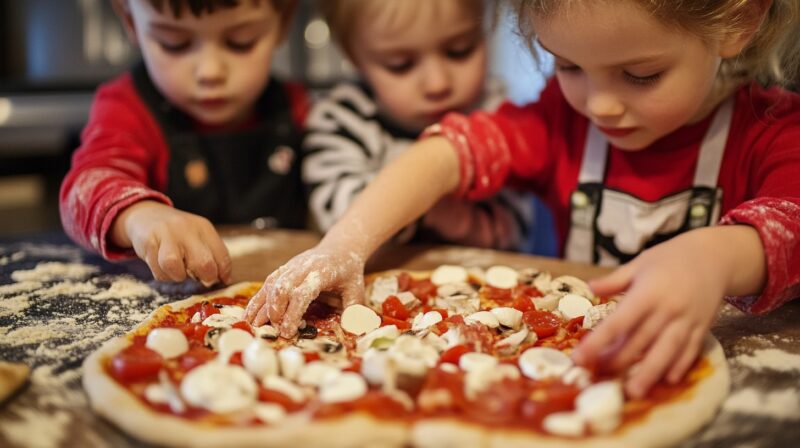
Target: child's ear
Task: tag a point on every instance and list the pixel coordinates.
(734, 43)
(123, 11)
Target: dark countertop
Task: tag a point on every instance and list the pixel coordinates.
(53, 324)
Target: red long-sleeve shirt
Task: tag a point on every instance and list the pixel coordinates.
(123, 159)
(540, 147)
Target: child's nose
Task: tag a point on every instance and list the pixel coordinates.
(601, 103)
(210, 68)
(436, 80)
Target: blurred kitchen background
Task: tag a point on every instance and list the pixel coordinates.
(54, 53)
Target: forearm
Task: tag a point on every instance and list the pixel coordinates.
(738, 251)
(400, 193)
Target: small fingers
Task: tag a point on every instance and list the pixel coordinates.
(614, 283)
(301, 299)
(660, 355)
(219, 252)
(353, 293)
(639, 339)
(149, 253)
(616, 326)
(255, 305)
(170, 258)
(201, 264)
(688, 356)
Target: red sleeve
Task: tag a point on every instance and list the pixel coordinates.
(774, 207)
(496, 149)
(299, 102)
(122, 159)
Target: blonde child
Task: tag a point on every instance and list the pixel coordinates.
(198, 133)
(418, 60)
(654, 126)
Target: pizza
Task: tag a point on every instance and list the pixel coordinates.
(443, 358)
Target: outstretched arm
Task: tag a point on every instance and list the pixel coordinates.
(402, 192)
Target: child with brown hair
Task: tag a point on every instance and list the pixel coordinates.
(659, 121)
(418, 61)
(198, 133)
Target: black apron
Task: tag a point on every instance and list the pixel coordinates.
(609, 227)
(244, 176)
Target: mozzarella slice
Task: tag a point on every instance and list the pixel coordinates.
(232, 341)
(291, 360)
(485, 317)
(317, 372)
(155, 393)
(168, 342)
(407, 298)
(284, 386)
(446, 274)
(601, 405)
(374, 366)
(578, 376)
(502, 277)
(260, 359)
(543, 362)
(573, 305)
(476, 361)
(358, 319)
(412, 356)
(220, 321)
(233, 311)
(365, 342)
(508, 317)
(478, 380)
(220, 388)
(568, 424)
(346, 387)
(269, 413)
(423, 321)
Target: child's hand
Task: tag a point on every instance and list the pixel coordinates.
(289, 290)
(174, 244)
(673, 293)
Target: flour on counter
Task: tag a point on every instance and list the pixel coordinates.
(54, 270)
(37, 428)
(246, 244)
(13, 305)
(15, 288)
(780, 404)
(770, 358)
(462, 256)
(124, 287)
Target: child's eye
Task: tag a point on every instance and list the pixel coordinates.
(643, 80)
(175, 47)
(240, 46)
(568, 68)
(460, 53)
(400, 68)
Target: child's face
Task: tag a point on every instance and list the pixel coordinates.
(213, 67)
(422, 60)
(634, 78)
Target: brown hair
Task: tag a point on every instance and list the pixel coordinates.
(200, 7)
(771, 57)
(341, 15)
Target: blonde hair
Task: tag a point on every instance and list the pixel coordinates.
(342, 15)
(771, 57)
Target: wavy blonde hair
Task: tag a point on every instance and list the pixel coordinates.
(199, 7)
(772, 56)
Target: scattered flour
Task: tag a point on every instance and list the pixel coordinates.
(770, 358)
(16, 256)
(124, 287)
(37, 428)
(54, 270)
(67, 288)
(13, 305)
(247, 244)
(14, 288)
(33, 334)
(780, 404)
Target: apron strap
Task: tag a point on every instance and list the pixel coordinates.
(713, 147)
(593, 166)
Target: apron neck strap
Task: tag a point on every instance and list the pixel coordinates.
(712, 149)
